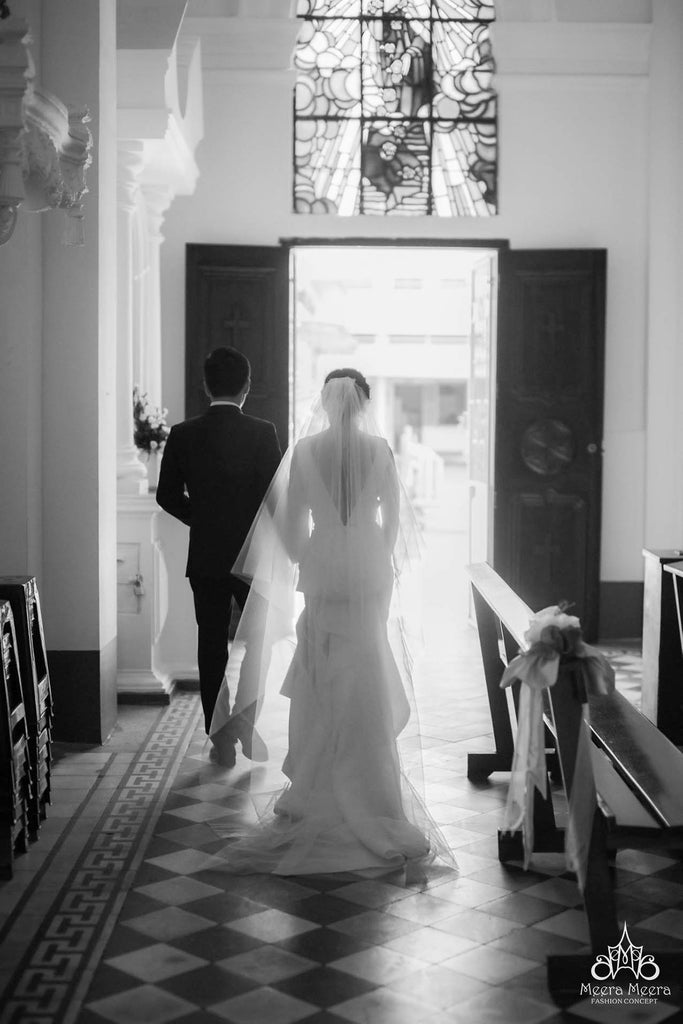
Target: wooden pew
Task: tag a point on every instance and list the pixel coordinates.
(15, 778)
(22, 594)
(637, 772)
(662, 686)
(502, 619)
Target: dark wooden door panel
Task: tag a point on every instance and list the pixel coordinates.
(548, 544)
(237, 295)
(548, 435)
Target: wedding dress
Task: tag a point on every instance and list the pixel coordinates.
(325, 553)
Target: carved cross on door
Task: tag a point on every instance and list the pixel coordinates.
(551, 328)
(235, 320)
(551, 341)
(545, 553)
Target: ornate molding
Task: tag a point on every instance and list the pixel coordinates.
(45, 148)
(16, 76)
(8, 219)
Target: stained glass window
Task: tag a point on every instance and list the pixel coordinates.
(394, 108)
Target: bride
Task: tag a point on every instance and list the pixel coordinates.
(330, 541)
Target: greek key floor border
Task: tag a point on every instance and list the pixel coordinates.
(52, 978)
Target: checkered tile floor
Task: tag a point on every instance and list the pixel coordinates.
(192, 944)
(122, 912)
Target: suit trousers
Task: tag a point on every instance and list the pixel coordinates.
(212, 608)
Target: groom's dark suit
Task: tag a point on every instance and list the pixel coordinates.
(215, 470)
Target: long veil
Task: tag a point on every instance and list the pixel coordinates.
(321, 669)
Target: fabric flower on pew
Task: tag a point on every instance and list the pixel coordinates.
(553, 636)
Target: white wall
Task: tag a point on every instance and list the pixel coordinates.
(57, 337)
(574, 172)
(664, 409)
(21, 315)
(79, 346)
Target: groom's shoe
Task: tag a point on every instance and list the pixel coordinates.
(224, 755)
(253, 746)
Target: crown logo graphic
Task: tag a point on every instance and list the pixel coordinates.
(625, 956)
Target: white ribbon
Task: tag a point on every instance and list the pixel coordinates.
(537, 669)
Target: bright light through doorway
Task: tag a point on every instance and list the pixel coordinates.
(406, 317)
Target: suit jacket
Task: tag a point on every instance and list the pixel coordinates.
(214, 473)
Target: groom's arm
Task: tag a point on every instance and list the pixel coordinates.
(171, 494)
(268, 458)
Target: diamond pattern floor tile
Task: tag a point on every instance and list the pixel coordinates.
(145, 1004)
(264, 1004)
(379, 964)
(490, 1008)
(493, 966)
(267, 964)
(195, 944)
(375, 927)
(272, 925)
(179, 890)
(383, 1007)
(571, 924)
(169, 923)
(439, 987)
(325, 986)
(187, 862)
(430, 945)
(156, 963)
(670, 922)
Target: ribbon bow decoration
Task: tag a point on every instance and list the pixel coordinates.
(551, 636)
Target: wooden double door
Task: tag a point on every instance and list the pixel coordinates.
(543, 337)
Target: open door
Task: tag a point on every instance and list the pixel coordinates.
(238, 295)
(481, 409)
(544, 413)
(548, 433)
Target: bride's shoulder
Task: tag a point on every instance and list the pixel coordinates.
(381, 447)
(304, 450)
(305, 445)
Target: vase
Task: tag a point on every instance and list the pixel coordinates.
(152, 470)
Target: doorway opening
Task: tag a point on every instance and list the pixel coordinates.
(418, 322)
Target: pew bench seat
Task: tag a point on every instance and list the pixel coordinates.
(637, 773)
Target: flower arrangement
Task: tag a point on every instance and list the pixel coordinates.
(149, 423)
(552, 634)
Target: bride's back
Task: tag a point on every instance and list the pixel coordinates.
(350, 469)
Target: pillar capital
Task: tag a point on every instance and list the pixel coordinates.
(157, 199)
(130, 160)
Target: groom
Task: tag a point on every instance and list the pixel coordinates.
(215, 471)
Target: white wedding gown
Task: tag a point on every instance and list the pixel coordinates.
(348, 805)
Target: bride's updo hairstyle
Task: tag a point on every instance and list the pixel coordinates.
(355, 375)
(345, 394)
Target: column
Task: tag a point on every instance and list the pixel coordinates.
(130, 473)
(142, 598)
(78, 326)
(157, 199)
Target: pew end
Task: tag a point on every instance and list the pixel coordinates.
(636, 788)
